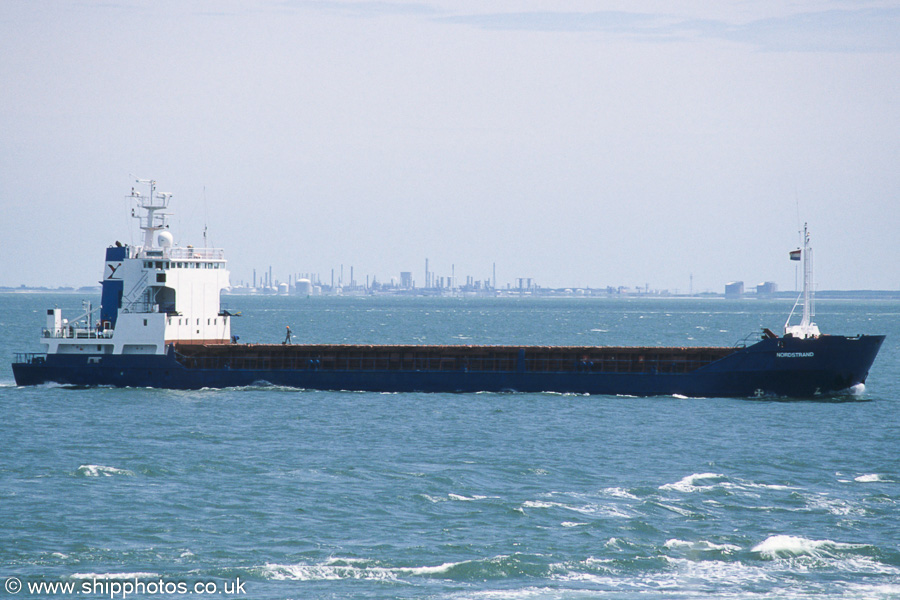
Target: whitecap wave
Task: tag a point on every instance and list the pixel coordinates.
(523, 593)
(683, 578)
(461, 498)
(722, 574)
(704, 482)
(325, 572)
(868, 478)
(681, 574)
(786, 546)
(98, 470)
(115, 576)
(591, 509)
(762, 486)
(701, 545)
(835, 506)
(676, 509)
(541, 504)
(432, 499)
(349, 568)
(691, 483)
(617, 492)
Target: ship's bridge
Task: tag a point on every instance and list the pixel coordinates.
(182, 283)
(160, 291)
(152, 295)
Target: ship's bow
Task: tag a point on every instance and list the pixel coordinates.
(794, 367)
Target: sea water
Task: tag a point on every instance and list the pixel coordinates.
(281, 493)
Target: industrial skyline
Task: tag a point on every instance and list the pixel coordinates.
(312, 283)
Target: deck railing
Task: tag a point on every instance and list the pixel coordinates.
(77, 333)
(31, 358)
(183, 254)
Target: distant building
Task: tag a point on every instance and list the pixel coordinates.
(304, 287)
(735, 289)
(767, 289)
(406, 280)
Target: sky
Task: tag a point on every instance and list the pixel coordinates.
(576, 143)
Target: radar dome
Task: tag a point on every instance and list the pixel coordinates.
(164, 239)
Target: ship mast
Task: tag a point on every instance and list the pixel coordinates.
(806, 328)
(152, 221)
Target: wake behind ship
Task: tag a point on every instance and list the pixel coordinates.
(160, 325)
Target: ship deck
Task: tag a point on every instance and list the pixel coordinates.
(537, 359)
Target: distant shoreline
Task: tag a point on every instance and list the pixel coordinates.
(598, 293)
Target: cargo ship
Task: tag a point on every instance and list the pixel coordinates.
(160, 324)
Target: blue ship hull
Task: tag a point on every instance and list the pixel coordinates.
(789, 367)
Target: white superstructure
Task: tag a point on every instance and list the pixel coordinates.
(153, 295)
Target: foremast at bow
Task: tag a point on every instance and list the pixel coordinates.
(806, 328)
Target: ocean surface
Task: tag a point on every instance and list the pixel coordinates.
(282, 493)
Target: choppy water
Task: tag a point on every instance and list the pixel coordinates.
(306, 494)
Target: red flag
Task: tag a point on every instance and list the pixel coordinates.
(795, 254)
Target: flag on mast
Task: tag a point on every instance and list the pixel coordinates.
(795, 254)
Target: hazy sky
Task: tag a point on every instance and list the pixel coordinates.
(577, 143)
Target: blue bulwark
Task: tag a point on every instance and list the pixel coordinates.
(111, 296)
(116, 253)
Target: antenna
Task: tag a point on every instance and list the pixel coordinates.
(205, 218)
